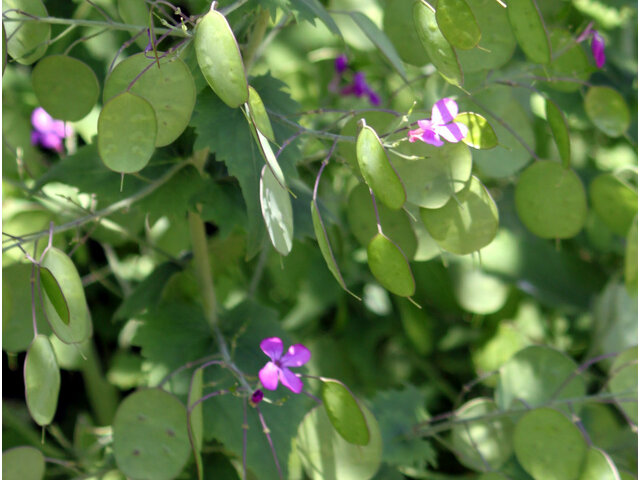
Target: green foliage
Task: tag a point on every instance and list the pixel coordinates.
(470, 309)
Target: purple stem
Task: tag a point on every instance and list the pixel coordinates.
(266, 431)
(206, 397)
(245, 427)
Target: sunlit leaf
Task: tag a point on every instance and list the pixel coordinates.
(344, 412)
(458, 24)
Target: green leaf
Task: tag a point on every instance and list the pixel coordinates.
(598, 466)
(65, 87)
(41, 380)
(380, 40)
(54, 294)
(608, 110)
(569, 62)
(615, 202)
(135, 12)
(150, 435)
(276, 212)
(615, 315)
(326, 455)
(536, 375)
(27, 41)
(631, 259)
(397, 412)
(481, 134)
(127, 132)
(551, 201)
(377, 170)
(344, 412)
(436, 174)
(77, 327)
(529, 30)
(399, 27)
(477, 291)
(167, 85)
(395, 223)
(311, 10)
(560, 131)
(148, 292)
(458, 24)
(439, 49)
(325, 246)
(466, 223)
(480, 443)
(548, 445)
(418, 326)
(23, 463)
(624, 382)
(497, 44)
(390, 266)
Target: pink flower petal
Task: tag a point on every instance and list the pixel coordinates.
(296, 356)
(597, 48)
(272, 347)
(453, 132)
(432, 138)
(269, 376)
(443, 111)
(290, 380)
(415, 134)
(41, 120)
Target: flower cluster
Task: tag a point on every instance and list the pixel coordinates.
(597, 44)
(48, 133)
(441, 124)
(357, 87)
(278, 368)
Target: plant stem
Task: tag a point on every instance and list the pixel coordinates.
(176, 32)
(11, 419)
(102, 395)
(255, 38)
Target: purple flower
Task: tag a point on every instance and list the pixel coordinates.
(341, 64)
(48, 132)
(256, 397)
(597, 44)
(441, 124)
(359, 88)
(278, 367)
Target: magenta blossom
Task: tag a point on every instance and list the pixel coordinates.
(358, 86)
(48, 133)
(441, 124)
(256, 397)
(278, 367)
(341, 64)
(597, 44)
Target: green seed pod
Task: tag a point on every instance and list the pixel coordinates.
(220, 60)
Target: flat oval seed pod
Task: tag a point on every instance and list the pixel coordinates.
(325, 246)
(344, 413)
(27, 41)
(77, 328)
(560, 131)
(220, 60)
(65, 87)
(377, 169)
(438, 48)
(481, 134)
(458, 24)
(150, 437)
(390, 266)
(529, 30)
(127, 131)
(259, 114)
(41, 380)
(599, 466)
(265, 148)
(466, 223)
(399, 27)
(169, 88)
(276, 211)
(607, 110)
(551, 201)
(23, 463)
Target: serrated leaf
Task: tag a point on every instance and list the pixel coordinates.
(345, 414)
(481, 134)
(380, 40)
(310, 10)
(41, 380)
(560, 131)
(458, 24)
